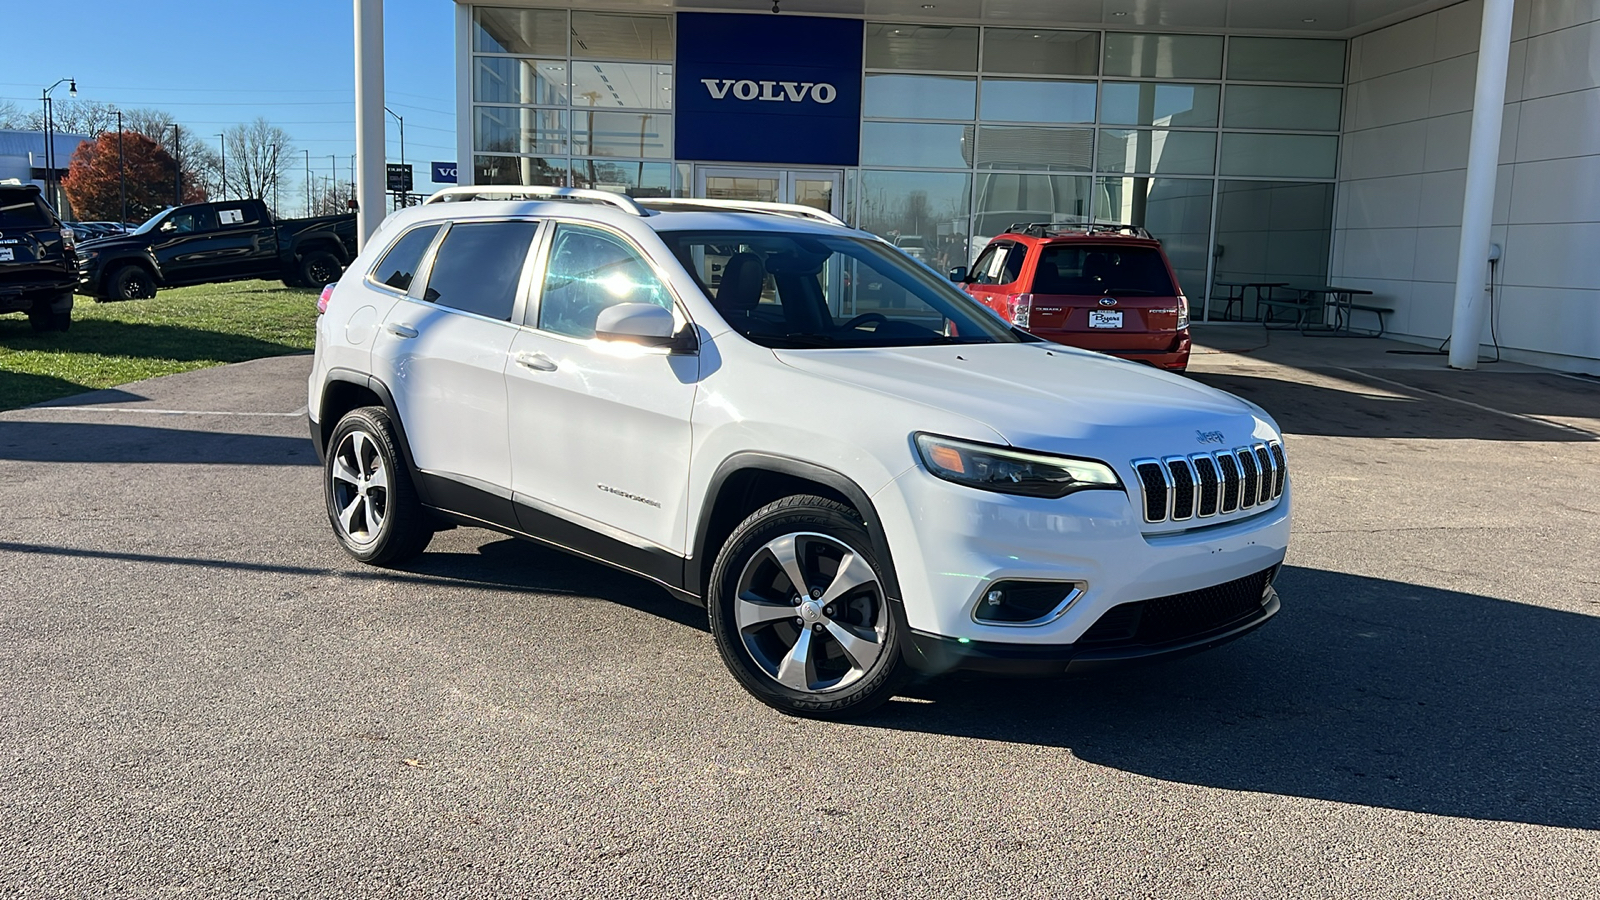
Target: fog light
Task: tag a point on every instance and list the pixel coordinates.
(1026, 602)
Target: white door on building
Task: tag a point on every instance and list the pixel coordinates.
(819, 188)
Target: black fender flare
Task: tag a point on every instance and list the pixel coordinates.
(784, 465)
(105, 266)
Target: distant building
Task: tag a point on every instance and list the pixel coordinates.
(22, 156)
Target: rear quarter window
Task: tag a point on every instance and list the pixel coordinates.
(399, 266)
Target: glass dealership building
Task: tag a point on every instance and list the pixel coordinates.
(1301, 144)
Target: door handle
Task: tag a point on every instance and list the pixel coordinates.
(536, 361)
(400, 329)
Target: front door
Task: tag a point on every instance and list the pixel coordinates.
(819, 188)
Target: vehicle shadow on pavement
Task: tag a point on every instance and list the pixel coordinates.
(1389, 412)
(96, 442)
(1361, 690)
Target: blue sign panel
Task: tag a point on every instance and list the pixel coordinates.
(768, 89)
(444, 173)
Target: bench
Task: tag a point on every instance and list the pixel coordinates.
(1379, 311)
(1300, 308)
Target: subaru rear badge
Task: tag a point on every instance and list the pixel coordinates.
(1108, 301)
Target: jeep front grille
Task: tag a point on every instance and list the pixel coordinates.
(1202, 485)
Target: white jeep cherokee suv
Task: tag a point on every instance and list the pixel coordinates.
(858, 470)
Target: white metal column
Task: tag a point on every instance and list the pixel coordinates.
(370, 151)
(1483, 162)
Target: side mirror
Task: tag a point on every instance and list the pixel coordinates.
(959, 274)
(645, 324)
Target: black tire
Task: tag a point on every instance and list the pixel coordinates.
(319, 268)
(130, 282)
(363, 445)
(51, 316)
(748, 579)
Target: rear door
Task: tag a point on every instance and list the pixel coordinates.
(995, 275)
(244, 244)
(1106, 295)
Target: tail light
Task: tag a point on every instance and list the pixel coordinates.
(1183, 312)
(1019, 309)
(322, 301)
(68, 239)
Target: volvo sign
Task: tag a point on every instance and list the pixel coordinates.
(768, 89)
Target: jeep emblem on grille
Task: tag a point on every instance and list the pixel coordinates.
(1209, 437)
(1108, 301)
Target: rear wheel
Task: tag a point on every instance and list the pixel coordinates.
(132, 282)
(372, 504)
(319, 268)
(53, 315)
(800, 614)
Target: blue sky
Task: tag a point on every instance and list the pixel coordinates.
(217, 63)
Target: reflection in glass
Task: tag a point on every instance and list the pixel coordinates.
(519, 129)
(1035, 147)
(919, 97)
(922, 211)
(1016, 100)
(1285, 59)
(1005, 199)
(1164, 55)
(1280, 155)
(636, 179)
(935, 47)
(1158, 152)
(1288, 108)
(519, 170)
(1040, 51)
(610, 85)
(1272, 232)
(535, 81)
(1155, 103)
(744, 187)
(1176, 211)
(615, 35)
(647, 135)
(915, 144)
(537, 32)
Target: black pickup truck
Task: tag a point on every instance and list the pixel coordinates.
(209, 242)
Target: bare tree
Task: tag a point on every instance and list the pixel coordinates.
(258, 159)
(12, 118)
(86, 117)
(331, 197)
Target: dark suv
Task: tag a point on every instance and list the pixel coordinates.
(38, 263)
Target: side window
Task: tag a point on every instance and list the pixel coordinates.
(590, 270)
(979, 273)
(399, 265)
(478, 265)
(1011, 270)
(189, 221)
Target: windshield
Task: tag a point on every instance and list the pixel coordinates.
(1079, 269)
(154, 221)
(809, 291)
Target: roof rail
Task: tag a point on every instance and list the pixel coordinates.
(538, 192)
(756, 206)
(1047, 229)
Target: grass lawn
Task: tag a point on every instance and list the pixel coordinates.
(181, 329)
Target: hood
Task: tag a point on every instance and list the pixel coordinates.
(110, 242)
(1051, 398)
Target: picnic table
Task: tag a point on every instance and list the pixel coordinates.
(1236, 292)
(1341, 302)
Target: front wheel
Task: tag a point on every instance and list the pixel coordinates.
(319, 268)
(800, 614)
(132, 282)
(372, 504)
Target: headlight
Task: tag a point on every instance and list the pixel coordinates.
(1009, 471)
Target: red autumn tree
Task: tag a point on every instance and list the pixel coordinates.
(93, 184)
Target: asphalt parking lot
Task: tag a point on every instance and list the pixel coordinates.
(203, 695)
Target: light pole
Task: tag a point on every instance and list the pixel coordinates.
(49, 139)
(402, 120)
(122, 170)
(177, 167)
(308, 184)
(222, 140)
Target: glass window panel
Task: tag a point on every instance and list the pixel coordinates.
(1164, 55)
(1035, 147)
(1280, 155)
(1176, 211)
(615, 35)
(1155, 103)
(478, 266)
(1286, 59)
(1272, 232)
(399, 265)
(529, 31)
(1289, 108)
(622, 134)
(520, 129)
(1005, 199)
(920, 97)
(519, 170)
(745, 187)
(610, 85)
(683, 186)
(504, 80)
(589, 272)
(919, 209)
(1039, 51)
(1012, 100)
(915, 144)
(936, 47)
(1157, 152)
(636, 179)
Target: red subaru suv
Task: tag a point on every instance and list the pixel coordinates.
(1100, 287)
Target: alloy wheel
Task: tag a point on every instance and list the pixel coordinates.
(360, 487)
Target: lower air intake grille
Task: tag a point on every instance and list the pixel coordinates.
(1202, 485)
(1166, 620)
